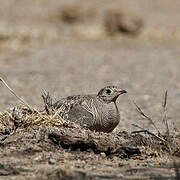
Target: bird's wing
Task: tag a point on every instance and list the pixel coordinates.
(78, 108)
(89, 106)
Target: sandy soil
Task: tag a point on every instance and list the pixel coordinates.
(39, 50)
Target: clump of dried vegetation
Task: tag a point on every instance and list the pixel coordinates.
(25, 116)
(168, 139)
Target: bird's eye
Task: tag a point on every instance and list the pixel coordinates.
(108, 91)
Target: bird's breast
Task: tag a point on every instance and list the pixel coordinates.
(108, 117)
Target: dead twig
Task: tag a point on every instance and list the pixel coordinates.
(164, 115)
(147, 117)
(146, 131)
(165, 120)
(163, 137)
(25, 103)
(48, 104)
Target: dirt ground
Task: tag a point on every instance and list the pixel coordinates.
(66, 48)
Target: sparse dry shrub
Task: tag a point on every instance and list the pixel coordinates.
(169, 141)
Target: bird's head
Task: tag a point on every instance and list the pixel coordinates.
(110, 93)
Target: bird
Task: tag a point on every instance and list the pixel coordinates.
(97, 112)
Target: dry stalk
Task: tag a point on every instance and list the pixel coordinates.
(147, 117)
(165, 120)
(164, 115)
(26, 104)
(48, 104)
(169, 142)
(57, 112)
(146, 131)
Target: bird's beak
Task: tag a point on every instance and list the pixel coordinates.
(122, 91)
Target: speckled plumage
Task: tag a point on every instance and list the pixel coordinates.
(96, 112)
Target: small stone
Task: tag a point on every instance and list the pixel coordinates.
(102, 154)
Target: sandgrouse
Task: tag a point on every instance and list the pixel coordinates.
(96, 112)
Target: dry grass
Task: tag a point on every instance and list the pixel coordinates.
(25, 115)
(169, 140)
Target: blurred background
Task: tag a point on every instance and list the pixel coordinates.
(73, 47)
